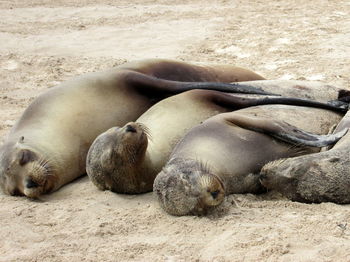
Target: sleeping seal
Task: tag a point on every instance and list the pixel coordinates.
(315, 178)
(127, 159)
(222, 156)
(47, 146)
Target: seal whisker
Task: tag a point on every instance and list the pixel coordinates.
(146, 130)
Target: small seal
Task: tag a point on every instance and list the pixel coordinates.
(47, 146)
(314, 178)
(127, 159)
(222, 156)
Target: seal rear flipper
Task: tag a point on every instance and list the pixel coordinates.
(238, 101)
(285, 132)
(344, 95)
(340, 103)
(153, 86)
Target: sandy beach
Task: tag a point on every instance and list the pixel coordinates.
(44, 42)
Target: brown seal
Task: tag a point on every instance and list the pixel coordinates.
(48, 145)
(127, 159)
(315, 178)
(221, 156)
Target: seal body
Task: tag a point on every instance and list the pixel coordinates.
(221, 156)
(48, 145)
(127, 159)
(314, 178)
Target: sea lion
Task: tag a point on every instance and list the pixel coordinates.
(220, 156)
(47, 146)
(125, 160)
(315, 178)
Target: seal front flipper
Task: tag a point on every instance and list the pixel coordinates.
(301, 137)
(314, 178)
(284, 131)
(151, 85)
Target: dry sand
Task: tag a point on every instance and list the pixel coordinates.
(44, 42)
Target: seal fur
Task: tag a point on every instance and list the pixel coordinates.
(233, 154)
(315, 178)
(112, 163)
(59, 126)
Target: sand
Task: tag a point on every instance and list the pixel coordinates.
(44, 42)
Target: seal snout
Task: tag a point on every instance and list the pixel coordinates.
(212, 190)
(31, 184)
(215, 194)
(266, 173)
(184, 189)
(130, 128)
(136, 129)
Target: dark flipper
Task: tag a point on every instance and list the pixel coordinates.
(300, 137)
(150, 84)
(339, 104)
(344, 95)
(285, 132)
(225, 87)
(237, 102)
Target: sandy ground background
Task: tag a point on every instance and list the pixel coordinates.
(44, 42)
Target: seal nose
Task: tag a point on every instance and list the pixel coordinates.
(130, 128)
(31, 184)
(215, 194)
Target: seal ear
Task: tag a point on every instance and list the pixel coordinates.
(26, 156)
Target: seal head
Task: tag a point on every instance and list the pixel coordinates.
(187, 187)
(315, 178)
(114, 161)
(24, 172)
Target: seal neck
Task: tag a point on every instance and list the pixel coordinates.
(149, 167)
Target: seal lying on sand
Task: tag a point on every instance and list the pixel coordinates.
(219, 157)
(48, 145)
(319, 177)
(127, 159)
